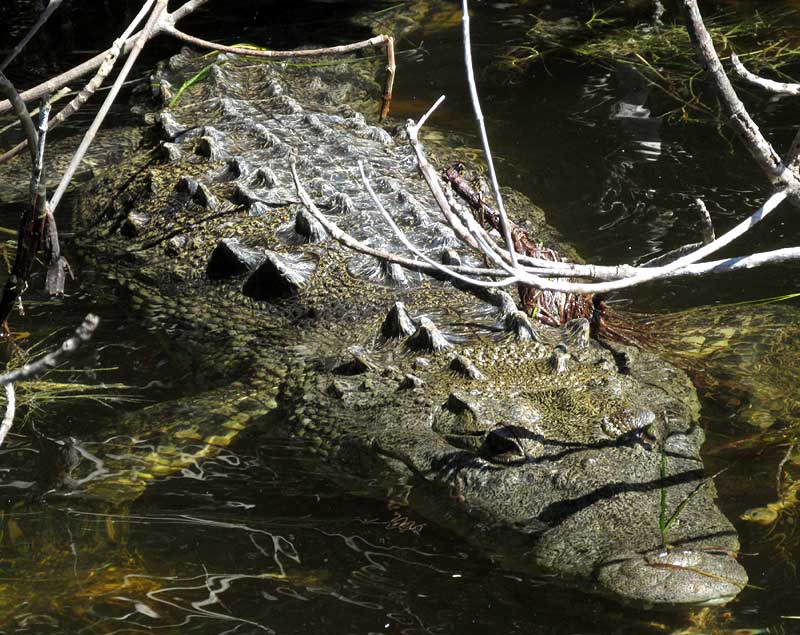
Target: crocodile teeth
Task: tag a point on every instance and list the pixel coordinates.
(309, 227)
(465, 368)
(231, 258)
(428, 337)
(279, 276)
(398, 322)
(519, 324)
(558, 359)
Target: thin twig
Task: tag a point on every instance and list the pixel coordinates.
(92, 85)
(49, 10)
(476, 105)
(379, 41)
(735, 112)
(82, 334)
(777, 88)
(432, 178)
(144, 36)
(356, 245)
(8, 418)
(418, 252)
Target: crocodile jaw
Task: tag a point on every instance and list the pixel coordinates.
(672, 577)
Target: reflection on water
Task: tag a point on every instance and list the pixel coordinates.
(262, 537)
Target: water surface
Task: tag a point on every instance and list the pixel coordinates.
(264, 537)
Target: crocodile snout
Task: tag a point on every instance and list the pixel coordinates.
(672, 577)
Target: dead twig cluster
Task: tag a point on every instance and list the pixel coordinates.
(39, 221)
(533, 269)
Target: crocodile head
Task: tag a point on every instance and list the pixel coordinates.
(560, 454)
(565, 456)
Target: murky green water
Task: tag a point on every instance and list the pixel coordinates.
(264, 537)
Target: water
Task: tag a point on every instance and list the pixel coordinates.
(264, 537)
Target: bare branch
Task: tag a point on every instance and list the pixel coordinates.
(777, 88)
(49, 10)
(7, 89)
(740, 263)
(476, 105)
(432, 178)
(91, 87)
(82, 334)
(379, 41)
(738, 118)
(8, 418)
(418, 252)
(59, 81)
(352, 243)
(144, 36)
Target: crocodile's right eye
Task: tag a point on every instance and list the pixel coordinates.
(504, 444)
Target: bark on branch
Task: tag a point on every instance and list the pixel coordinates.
(734, 110)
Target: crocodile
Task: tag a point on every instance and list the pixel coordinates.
(556, 452)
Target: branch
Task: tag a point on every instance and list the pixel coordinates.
(7, 89)
(59, 81)
(379, 41)
(8, 418)
(356, 245)
(418, 252)
(68, 347)
(432, 178)
(777, 88)
(476, 105)
(738, 118)
(144, 36)
(619, 277)
(49, 10)
(91, 86)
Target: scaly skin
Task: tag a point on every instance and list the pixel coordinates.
(554, 451)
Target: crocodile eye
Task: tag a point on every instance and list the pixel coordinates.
(504, 445)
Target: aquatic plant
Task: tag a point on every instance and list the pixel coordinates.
(660, 52)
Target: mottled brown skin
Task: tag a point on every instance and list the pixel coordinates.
(549, 449)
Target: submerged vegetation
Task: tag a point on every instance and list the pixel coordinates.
(60, 384)
(660, 51)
